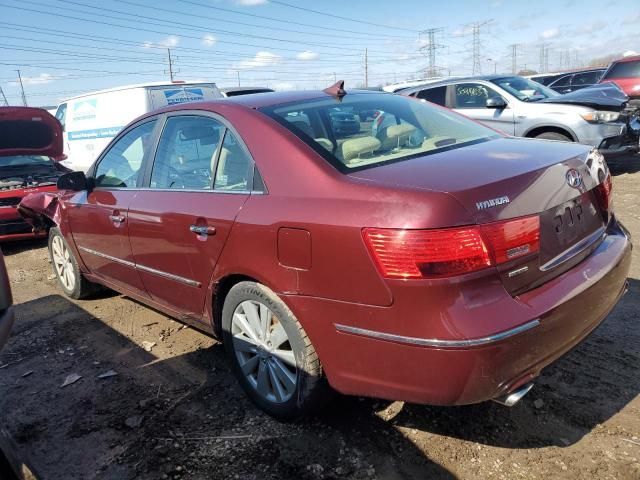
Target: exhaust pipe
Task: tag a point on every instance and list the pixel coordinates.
(510, 399)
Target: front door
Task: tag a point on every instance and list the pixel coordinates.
(178, 225)
(470, 99)
(99, 220)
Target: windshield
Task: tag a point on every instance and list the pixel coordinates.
(24, 160)
(624, 70)
(365, 130)
(525, 89)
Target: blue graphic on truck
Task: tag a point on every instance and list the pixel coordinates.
(183, 95)
(108, 132)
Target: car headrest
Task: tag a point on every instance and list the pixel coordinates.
(352, 149)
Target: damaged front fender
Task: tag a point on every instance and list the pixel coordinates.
(41, 210)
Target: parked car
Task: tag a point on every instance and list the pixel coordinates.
(30, 141)
(449, 271)
(626, 74)
(570, 81)
(91, 120)
(234, 91)
(524, 108)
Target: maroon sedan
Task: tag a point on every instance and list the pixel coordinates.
(430, 260)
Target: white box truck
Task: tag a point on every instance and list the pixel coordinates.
(91, 120)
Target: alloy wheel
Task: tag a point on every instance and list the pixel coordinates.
(264, 352)
(62, 263)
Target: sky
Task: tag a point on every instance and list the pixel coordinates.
(67, 47)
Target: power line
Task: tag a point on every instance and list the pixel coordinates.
(170, 64)
(24, 98)
(430, 48)
(4, 97)
(278, 2)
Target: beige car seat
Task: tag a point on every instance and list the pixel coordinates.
(396, 136)
(353, 149)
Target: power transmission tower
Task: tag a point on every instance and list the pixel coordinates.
(514, 58)
(430, 49)
(4, 97)
(171, 61)
(476, 28)
(544, 58)
(24, 98)
(366, 68)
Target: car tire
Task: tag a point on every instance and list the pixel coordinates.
(262, 339)
(66, 267)
(554, 136)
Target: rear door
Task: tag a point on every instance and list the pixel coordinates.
(99, 219)
(583, 80)
(470, 99)
(199, 180)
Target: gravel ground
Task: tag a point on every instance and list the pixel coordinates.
(175, 411)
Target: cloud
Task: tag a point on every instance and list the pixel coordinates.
(629, 53)
(261, 59)
(307, 55)
(589, 28)
(170, 41)
(250, 3)
(39, 80)
(549, 33)
(521, 22)
(632, 19)
(209, 40)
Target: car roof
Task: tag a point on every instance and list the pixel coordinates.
(633, 58)
(164, 83)
(244, 89)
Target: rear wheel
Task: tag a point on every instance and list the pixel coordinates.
(66, 268)
(270, 352)
(554, 136)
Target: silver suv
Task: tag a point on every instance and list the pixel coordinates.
(524, 108)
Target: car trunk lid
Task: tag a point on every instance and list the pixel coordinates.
(29, 131)
(514, 179)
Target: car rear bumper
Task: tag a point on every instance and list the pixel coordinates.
(6, 322)
(545, 323)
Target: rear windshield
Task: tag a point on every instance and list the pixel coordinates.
(365, 130)
(624, 70)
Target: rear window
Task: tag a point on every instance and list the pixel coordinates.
(365, 130)
(624, 70)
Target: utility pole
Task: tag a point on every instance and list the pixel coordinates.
(4, 97)
(366, 68)
(514, 58)
(430, 48)
(544, 58)
(24, 98)
(238, 73)
(170, 64)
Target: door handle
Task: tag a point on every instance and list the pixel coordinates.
(202, 230)
(116, 218)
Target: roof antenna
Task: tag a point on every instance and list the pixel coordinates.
(336, 90)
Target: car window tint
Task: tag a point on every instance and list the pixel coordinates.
(121, 165)
(473, 95)
(187, 153)
(234, 166)
(629, 69)
(436, 95)
(587, 78)
(562, 82)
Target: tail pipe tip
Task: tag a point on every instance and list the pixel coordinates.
(510, 399)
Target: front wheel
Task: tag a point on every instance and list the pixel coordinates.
(554, 136)
(270, 353)
(66, 268)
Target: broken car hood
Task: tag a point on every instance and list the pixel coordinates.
(604, 96)
(29, 131)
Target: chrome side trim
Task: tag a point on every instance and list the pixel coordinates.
(436, 342)
(571, 252)
(108, 257)
(170, 276)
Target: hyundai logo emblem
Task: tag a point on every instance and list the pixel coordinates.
(574, 179)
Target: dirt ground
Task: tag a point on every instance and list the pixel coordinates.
(176, 411)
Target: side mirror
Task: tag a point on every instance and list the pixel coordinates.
(496, 102)
(74, 181)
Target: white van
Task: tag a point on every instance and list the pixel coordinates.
(91, 120)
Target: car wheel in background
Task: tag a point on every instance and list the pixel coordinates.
(270, 352)
(66, 268)
(554, 136)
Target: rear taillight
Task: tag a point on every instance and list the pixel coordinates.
(603, 193)
(401, 253)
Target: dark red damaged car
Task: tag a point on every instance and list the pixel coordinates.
(430, 260)
(30, 140)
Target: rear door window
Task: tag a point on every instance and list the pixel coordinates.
(584, 79)
(562, 82)
(437, 95)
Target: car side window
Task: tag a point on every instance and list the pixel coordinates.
(473, 95)
(588, 78)
(562, 82)
(234, 169)
(121, 164)
(187, 152)
(437, 95)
